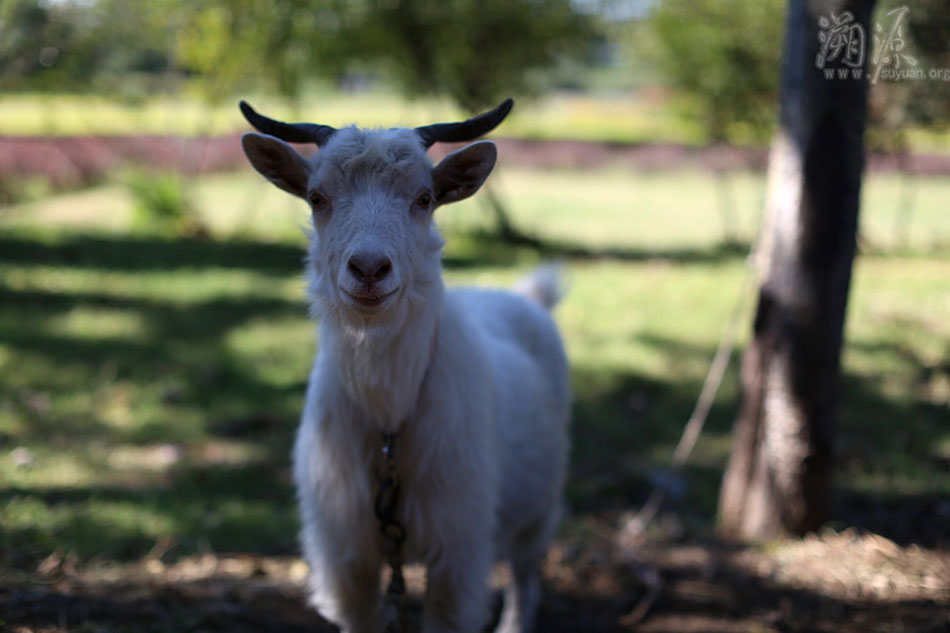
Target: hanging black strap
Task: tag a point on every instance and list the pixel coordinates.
(394, 533)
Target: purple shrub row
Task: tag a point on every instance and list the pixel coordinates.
(77, 161)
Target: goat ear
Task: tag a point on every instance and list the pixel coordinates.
(462, 172)
(278, 162)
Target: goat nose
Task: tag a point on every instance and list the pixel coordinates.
(369, 267)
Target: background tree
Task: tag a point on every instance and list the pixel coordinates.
(27, 28)
(899, 106)
(475, 52)
(279, 45)
(107, 46)
(720, 57)
(779, 474)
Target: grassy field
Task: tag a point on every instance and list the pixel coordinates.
(151, 384)
(138, 366)
(608, 117)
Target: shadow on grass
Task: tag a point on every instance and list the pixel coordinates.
(475, 250)
(181, 359)
(131, 253)
(624, 430)
(177, 382)
(711, 254)
(136, 254)
(193, 508)
(625, 426)
(480, 248)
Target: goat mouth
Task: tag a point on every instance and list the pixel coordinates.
(369, 300)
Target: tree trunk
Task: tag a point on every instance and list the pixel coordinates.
(506, 230)
(778, 479)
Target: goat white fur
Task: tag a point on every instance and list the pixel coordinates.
(475, 382)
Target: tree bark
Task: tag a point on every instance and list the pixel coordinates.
(778, 479)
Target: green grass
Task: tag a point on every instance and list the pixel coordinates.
(616, 118)
(607, 117)
(151, 384)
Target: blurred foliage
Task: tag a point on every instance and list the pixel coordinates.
(162, 204)
(722, 55)
(895, 106)
(106, 46)
(473, 52)
(477, 52)
(928, 27)
(232, 44)
(719, 58)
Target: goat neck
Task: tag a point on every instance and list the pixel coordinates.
(382, 365)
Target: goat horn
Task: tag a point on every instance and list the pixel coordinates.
(465, 130)
(293, 132)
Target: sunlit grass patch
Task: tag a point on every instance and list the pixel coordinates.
(567, 115)
(271, 348)
(49, 466)
(89, 526)
(905, 212)
(99, 323)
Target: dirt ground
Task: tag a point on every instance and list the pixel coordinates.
(837, 582)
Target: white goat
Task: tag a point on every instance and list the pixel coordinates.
(472, 383)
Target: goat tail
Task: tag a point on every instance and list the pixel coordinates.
(544, 285)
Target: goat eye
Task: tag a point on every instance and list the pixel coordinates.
(424, 200)
(318, 201)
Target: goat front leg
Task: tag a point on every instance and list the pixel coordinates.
(344, 578)
(457, 591)
(347, 594)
